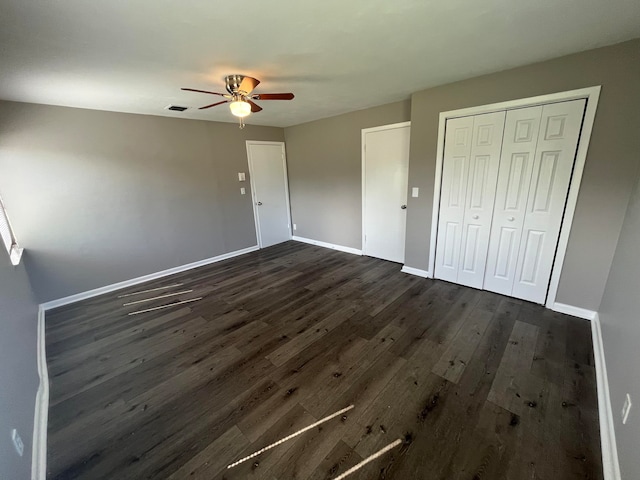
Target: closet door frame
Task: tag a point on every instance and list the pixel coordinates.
(591, 94)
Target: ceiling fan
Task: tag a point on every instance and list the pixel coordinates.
(240, 98)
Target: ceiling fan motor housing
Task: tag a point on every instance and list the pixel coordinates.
(233, 82)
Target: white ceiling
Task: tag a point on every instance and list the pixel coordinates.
(335, 55)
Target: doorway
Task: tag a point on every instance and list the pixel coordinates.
(385, 169)
(270, 191)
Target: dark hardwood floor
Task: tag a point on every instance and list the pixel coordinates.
(478, 386)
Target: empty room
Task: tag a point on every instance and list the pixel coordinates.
(319, 240)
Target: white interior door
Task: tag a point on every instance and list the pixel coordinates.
(514, 177)
(481, 190)
(268, 175)
(469, 176)
(385, 182)
(555, 153)
(455, 170)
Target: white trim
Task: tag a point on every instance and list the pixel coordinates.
(415, 271)
(591, 94)
(573, 311)
(333, 246)
(574, 188)
(40, 417)
(145, 278)
(253, 188)
(610, 464)
(363, 149)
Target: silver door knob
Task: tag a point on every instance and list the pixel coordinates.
(475, 217)
(511, 219)
(403, 207)
(259, 203)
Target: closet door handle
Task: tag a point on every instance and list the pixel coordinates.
(476, 217)
(403, 207)
(511, 219)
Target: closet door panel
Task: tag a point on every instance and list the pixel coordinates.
(514, 178)
(453, 192)
(481, 190)
(550, 177)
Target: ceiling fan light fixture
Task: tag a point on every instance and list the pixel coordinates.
(240, 108)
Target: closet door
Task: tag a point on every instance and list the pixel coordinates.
(555, 153)
(455, 170)
(481, 190)
(514, 178)
(469, 175)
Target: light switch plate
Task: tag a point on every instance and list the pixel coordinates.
(241, 177)
(626, 408)
(414, 192)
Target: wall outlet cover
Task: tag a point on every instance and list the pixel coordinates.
(415, 192)
(242, 191)
(295, 227)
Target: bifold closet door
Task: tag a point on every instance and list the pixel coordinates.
(514, 179)
(555, 154)
(470, 173)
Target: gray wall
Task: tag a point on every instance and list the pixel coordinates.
(101, 197)
(620, 319)
(325, 181)
(608, 175)
(18, 367)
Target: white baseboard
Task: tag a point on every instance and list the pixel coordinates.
(415, 271)
(574, 311)
(610, 463)
(318, 243)
(146, 278)
(41, 415)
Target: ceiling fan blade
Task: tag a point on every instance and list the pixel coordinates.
(273, 96)
(248, 84)
(254, 106)
(213, 105)
(203, 91)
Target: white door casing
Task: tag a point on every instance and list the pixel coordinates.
(270, 191)
(557, 143)
(385, 168)
(516, 164)
(481, 190)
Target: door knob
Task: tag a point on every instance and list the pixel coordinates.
(259, 203)
(475, 217)
(403, 207)
(511, 219)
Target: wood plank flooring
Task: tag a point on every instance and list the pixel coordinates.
(477, 386)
